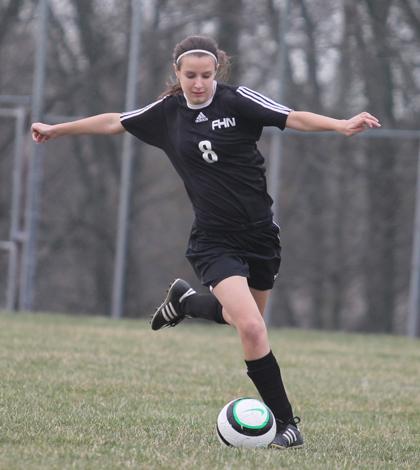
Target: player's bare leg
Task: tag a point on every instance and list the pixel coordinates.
(261, 298)
(244, 309)
(241, 310)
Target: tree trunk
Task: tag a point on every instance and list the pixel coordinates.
(381, 178)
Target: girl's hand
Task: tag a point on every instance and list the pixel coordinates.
(42, 132)
(359, 123)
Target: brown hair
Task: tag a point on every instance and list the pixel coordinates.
(198, 42)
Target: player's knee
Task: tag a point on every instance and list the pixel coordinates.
(253, 330)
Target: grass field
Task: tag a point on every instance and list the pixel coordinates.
(92, 393)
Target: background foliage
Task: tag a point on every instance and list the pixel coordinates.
(346, 205)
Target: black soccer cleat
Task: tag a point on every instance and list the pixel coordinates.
(170, 313)
(288, 435)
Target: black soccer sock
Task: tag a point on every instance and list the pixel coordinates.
(265, 373)
(204, 306)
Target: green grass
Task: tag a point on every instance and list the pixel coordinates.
(92, 393)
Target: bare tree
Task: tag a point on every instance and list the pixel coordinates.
(346, 205)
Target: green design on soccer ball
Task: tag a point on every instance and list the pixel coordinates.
(264, 411)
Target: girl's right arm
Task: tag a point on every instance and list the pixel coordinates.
(105, 124)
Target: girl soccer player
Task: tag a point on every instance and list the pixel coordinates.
(209, 132)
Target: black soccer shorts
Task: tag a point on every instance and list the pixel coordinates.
(254, 254)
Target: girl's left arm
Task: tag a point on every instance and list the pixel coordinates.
(306, 121)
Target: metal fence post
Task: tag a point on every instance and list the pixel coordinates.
(29, 258)
(414, 305)
(274, 177)
(15, 236)
(127, 156)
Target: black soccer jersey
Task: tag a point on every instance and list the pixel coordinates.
(213, 149)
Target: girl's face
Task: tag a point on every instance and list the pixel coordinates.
(196, 75)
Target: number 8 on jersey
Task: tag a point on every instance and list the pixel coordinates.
(209, 155)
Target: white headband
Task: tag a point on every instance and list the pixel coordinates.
(196, 51)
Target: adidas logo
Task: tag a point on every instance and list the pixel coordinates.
(201, 118)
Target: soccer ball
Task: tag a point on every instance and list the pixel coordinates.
(246, 422)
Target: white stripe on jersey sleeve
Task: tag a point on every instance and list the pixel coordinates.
(263, 100)
(137, 112)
